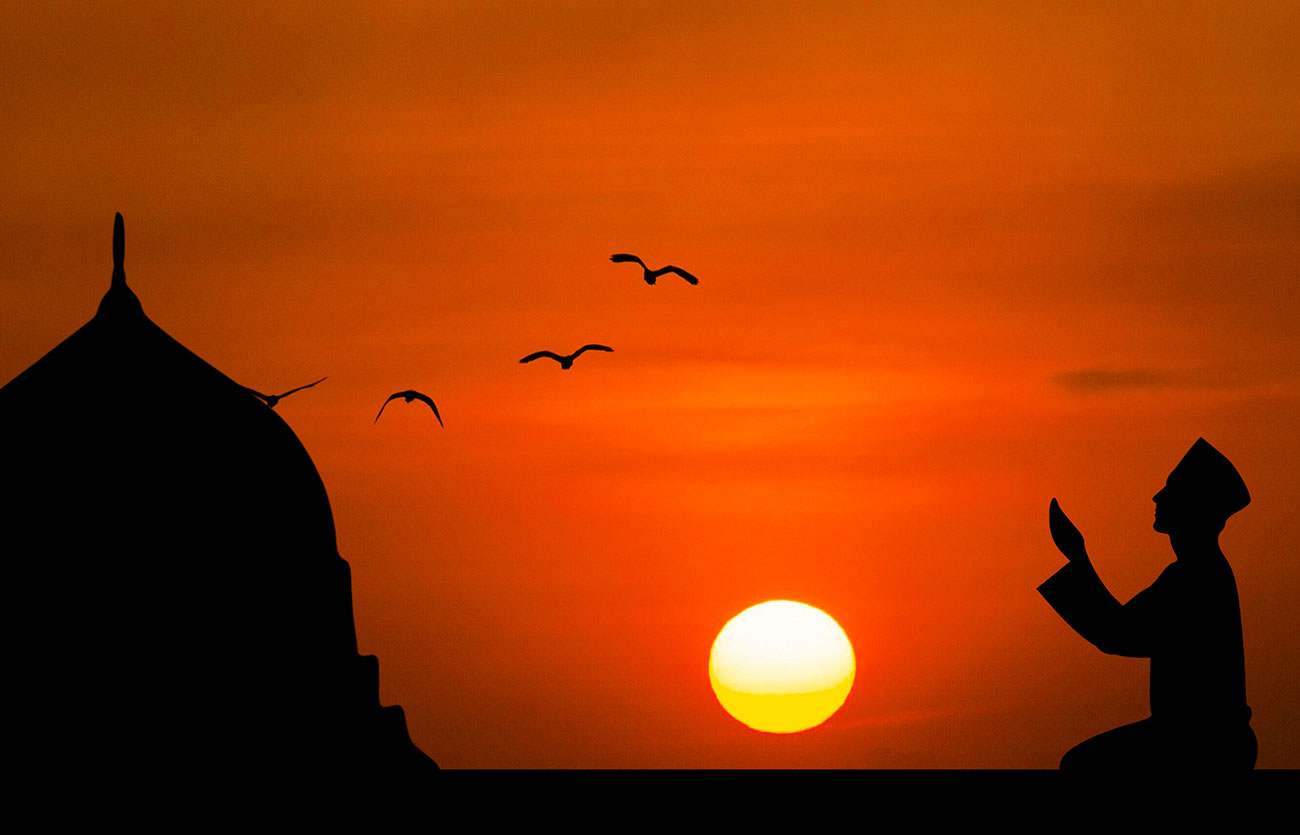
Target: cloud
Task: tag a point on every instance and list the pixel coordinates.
(1099, 380)
(1092, 380)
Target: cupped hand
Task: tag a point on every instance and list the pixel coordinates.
(1066, 536)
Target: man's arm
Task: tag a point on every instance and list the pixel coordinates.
(1081, 599)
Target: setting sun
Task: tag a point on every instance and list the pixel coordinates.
(782, 666)
(868, 283)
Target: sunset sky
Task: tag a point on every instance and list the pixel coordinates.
(953, 263)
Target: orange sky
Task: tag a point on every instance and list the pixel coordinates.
(953, 263)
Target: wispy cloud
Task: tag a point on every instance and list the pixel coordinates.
(1103, 380)
(1110, 379)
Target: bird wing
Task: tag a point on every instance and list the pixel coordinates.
(591, 348)
(390, 399)
(424, 398)
(690, 278)
(257, 394)
(621, 257)
(300, 388)
(541, 354)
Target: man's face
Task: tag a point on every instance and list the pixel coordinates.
(1181, 507)
(1169, 508)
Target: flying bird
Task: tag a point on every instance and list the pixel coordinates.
(651, 275)
(272, 399)
(409, 396)
(565, 362)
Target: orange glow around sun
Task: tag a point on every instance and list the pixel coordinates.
(782, 666)
(955, 259)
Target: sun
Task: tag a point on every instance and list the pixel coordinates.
(782, 667)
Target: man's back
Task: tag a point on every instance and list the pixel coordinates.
(1198, 667)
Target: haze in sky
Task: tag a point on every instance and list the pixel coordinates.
(952, 263)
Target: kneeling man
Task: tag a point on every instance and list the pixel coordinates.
(1188, 622)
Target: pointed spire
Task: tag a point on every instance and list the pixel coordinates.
(119, 251)
(119, 300)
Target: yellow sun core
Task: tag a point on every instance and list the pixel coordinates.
(782, 667)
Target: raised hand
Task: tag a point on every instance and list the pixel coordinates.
(1066, 536)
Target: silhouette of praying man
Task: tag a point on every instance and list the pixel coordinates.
(1188, 622)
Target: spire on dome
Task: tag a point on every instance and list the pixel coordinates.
(119, 251)
(119, 300)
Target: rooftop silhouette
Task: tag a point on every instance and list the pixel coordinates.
(185, 616)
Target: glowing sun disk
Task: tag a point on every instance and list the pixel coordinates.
(782, 666)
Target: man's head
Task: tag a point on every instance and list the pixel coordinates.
(1201, 493)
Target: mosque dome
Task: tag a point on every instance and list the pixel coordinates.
(180, 609)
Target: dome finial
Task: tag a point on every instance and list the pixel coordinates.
(119, 251)
(119, 300)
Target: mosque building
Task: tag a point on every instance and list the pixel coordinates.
(179, 612)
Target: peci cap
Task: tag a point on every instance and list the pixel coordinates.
(1209, 474)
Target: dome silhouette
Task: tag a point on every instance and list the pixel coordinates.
(181, 613)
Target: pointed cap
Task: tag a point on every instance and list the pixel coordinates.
(1210, 476)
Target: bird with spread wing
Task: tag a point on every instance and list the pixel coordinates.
(565, 362)
(410, 396)
(651, 275)
(272, 399)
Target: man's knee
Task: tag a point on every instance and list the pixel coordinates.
(1123, 749)
(1078, 758)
